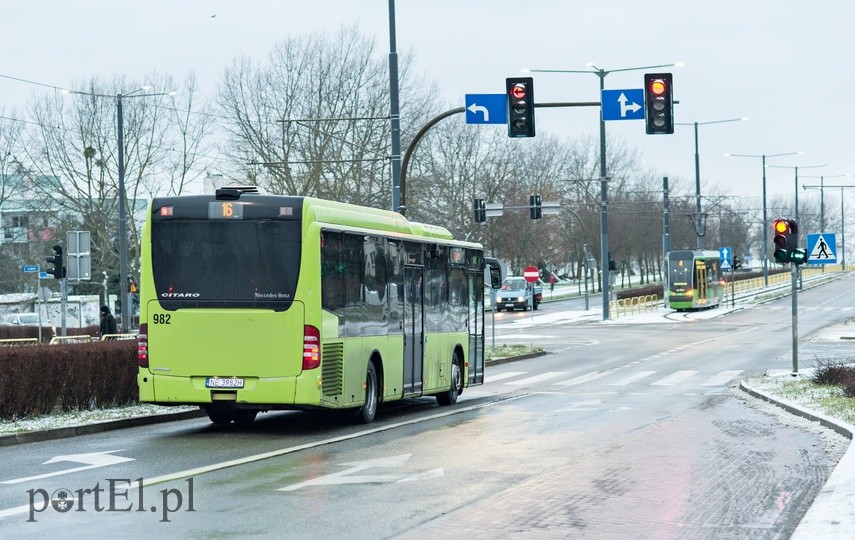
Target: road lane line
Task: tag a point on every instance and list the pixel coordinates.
(147, 482)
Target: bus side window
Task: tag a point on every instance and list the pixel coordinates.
(332, 271)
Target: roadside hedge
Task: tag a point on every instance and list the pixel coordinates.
(43, 379)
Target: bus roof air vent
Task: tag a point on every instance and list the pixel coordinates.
(234, 192)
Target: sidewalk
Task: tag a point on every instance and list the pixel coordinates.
(832, 513)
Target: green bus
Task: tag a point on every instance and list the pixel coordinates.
(693, 280)
(253, 302)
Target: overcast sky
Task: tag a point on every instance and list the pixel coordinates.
(786, 64)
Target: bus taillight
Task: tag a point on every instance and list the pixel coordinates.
(142, 346)
(311, 347)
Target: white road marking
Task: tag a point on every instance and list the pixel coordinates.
(722, 377)
(632, 378)
(674, 378)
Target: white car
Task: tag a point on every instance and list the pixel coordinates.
(20, 319)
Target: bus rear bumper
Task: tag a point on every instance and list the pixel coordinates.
(166, 389)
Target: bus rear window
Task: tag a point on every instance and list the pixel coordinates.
(229, 264)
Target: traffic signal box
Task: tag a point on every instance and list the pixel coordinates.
(520, 94)
(535, 207)
(58, 270)
(658, 103)
(786, 242)
(480, 210)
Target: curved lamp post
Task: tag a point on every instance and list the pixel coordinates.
(765, 219)
(698, 229)
(604, 221)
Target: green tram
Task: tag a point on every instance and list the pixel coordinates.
(693, 280)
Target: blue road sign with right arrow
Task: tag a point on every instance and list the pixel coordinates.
(486, 109)
(623, 104)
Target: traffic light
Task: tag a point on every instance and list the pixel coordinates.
(520, 94)
(787, 242)
(480, 210)
(58, 270)
(658, 103)
(535, 209)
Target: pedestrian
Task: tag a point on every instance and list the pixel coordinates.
(108, 322)
(551, 283)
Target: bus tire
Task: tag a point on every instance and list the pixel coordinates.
(366, 413)
(450, 397)
(219, 415)
(245, 417)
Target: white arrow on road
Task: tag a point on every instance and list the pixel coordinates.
(475, 109)
(349, 476)
(624, 108)
(92, 461)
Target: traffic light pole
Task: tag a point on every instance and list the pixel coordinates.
(793, 293)
(63, 288)
(408, 154)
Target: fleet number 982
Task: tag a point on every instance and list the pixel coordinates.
(160, 318)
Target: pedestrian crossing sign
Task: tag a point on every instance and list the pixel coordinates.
(822, 248)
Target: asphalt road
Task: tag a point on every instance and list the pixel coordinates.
(621, 431)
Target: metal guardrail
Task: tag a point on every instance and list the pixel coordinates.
(66, 339)
(115, 337)
(12, 342)
(634, 304)
(70, 339)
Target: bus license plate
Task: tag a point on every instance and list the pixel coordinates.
(216, 382)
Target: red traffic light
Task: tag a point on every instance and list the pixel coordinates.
(520, 102)
(657, 86)
(782, 226)
(518, 91)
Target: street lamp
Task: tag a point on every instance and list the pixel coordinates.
(796, 168)
(604, 220)
(765, 219)
(124, 279)
(698, 228)
(822, 194)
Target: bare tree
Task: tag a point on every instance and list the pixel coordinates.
(315, 115)
(73, 145)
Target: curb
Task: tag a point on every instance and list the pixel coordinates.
(507, 359)
(100, 427)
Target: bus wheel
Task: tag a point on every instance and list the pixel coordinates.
(369, 409)
(245, 417)
(450, 397)
(219, 415)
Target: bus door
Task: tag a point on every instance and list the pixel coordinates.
(413, 328)
(476, 327)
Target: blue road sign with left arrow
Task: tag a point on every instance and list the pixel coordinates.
(623, 104)
(486, 109)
